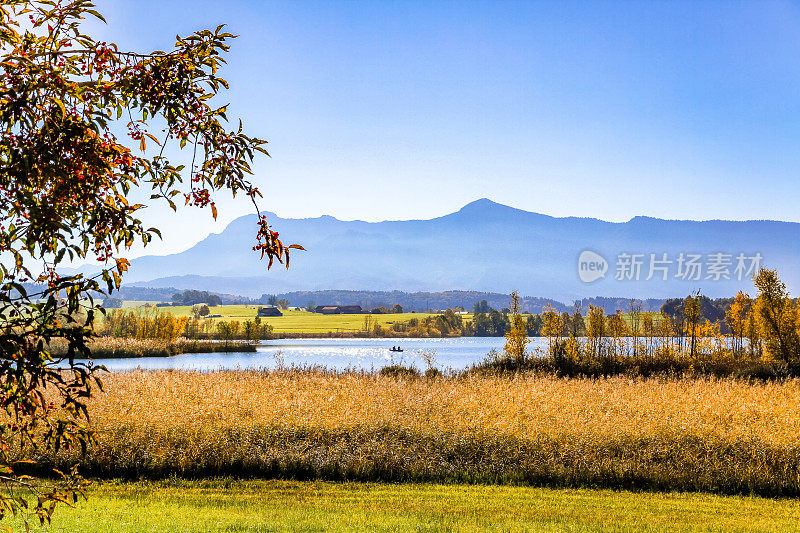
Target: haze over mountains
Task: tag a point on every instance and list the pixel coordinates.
(484, 246)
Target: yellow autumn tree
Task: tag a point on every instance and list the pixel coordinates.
(754, 342)
(736, 318)
(517, 336)
(596, 328)
(553, 325)
(777, 317)
(692, 315)
(617, 331)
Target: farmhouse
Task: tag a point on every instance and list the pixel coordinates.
(338, 309)
(269, 311)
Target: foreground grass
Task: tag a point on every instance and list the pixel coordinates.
(225, 506)
(723, 436)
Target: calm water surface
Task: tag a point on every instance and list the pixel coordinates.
(338, 354)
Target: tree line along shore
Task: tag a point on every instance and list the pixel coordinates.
(696, 332)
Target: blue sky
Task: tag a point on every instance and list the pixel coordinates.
(400, 110)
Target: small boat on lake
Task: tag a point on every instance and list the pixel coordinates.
(395, 349)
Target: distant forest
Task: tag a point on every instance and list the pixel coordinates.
(410, 301)
(414, 301)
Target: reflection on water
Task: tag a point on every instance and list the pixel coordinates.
(335, 354)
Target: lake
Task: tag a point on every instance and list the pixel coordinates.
(335, 354)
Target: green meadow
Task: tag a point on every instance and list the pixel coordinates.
(220, 505)
(301, 321)
(294, 321)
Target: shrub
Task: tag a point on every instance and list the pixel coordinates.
(399, 372)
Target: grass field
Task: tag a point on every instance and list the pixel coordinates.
(723, 436)
(296, 321)
(260, 506)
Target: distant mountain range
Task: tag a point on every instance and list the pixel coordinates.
(487, 247)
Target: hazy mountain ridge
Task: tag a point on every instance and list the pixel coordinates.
(484, 246)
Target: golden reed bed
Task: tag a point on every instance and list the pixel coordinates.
(523, 406)
(698, 434)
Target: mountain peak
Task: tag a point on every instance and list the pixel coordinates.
(487, 209)
(482, 204)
